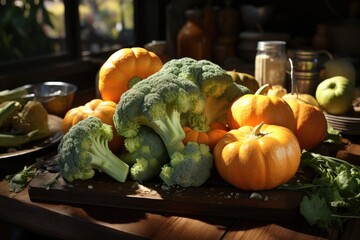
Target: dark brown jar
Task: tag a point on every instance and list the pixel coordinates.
(192, 39)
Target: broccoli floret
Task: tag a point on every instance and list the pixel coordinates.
(158, 102)
(211, 79)
(146, 154)
(189, 167)
(85, 148)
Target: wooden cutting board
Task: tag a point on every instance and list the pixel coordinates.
(214, 198)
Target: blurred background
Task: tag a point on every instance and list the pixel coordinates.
(69, 40)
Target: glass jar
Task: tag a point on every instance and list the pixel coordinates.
(270, 63)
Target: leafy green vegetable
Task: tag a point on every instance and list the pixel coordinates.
(334, 194)
(322, 214)
(19, 180)
(333, 136)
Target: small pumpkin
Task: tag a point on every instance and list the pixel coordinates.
(104, 110)
(257, 158)
(276, 90)
(123, 69)
(245, 79)
(304, 97)
(216, 132)
(252, 109)
(311, 124)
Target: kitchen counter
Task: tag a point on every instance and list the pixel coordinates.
(72, 221)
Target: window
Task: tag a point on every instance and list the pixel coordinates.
(106, 24)
(37, 29)
(29, 29)
(66, 39)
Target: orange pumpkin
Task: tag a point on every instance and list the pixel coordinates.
(306, 98)
(210, 138)
(252, 109)
(104, 110)
(257, 158)
(311, 124)
(123, 69)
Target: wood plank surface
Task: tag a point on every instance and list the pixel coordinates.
(207, 200)
(75, 221)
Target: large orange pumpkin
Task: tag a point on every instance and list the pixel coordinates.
(216, 132)
(252, 109)
(104, 110)
(257, 158)
(311, 124)
(123, 69)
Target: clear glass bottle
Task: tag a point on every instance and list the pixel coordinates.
(270, 63)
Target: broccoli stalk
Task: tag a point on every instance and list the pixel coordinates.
(159, 102)
(85, 148)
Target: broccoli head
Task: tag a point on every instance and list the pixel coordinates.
(145, 154)
(159, 103)
(211, 79)
(214, 82)
(85, 148)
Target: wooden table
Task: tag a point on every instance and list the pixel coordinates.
(73, 221)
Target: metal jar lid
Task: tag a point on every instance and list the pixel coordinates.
(271, 45)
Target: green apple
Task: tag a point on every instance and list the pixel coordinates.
(335, 95)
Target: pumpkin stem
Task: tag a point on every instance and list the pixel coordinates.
(256, 132)
(263, 89)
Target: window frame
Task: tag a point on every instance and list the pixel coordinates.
(74, 66)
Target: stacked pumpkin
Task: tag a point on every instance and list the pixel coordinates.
(263, 148)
